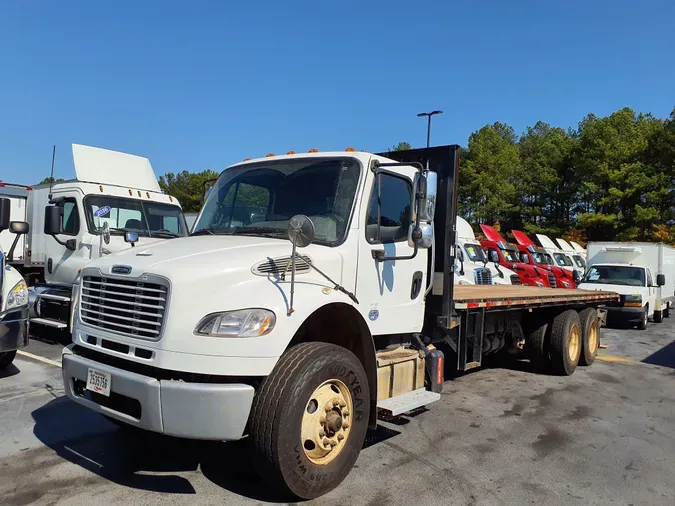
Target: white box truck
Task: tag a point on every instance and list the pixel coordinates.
(642, 273)
(113, 192)
(230, 332)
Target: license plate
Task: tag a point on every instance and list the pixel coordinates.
(98, 382)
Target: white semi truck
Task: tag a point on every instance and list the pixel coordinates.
(13, 295)
(302, 305)
(113, 192)
(575, 252)
(642, 273)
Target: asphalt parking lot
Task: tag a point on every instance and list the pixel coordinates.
(605, 435)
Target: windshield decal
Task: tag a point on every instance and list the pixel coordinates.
(102, 211)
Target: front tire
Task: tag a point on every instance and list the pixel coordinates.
(565, 342)
(590, 336)
(309, 419)
(6, 359)
(645, 318)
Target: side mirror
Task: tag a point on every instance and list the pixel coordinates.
(575, 276)
(660, 279)
(206, 189)
(427, 187)
(131, 238)
(494, 256)
(53, 220)
(5, 210)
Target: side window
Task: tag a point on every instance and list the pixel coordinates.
(71, 218)
(392, 207)
(649, 278)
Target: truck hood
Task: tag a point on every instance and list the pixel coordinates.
(193, 258)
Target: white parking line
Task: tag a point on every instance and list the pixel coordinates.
(38, 357)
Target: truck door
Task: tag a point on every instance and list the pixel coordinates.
(61, 263)
(391, 293)
(651, 291)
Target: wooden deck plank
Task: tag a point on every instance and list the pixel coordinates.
(484, 293)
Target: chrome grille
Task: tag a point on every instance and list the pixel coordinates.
(277, 266)
(130, 307)
(482, 276)
(551, 280)
(515, 279)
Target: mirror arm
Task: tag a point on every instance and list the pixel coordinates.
(10, 254)
(62, 243)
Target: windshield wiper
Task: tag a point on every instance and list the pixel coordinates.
(203, 231)
(158, 233)
(261, 231)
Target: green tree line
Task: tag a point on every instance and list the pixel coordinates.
(611, 178)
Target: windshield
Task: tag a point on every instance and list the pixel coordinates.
(510, 255)
(261, 198)
(475, 253)
(615, 275)
(562, 260)
(579, 261)
(149, 219)
(540, 258)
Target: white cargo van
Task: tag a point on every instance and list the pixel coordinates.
(642, 273)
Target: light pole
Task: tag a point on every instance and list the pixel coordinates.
(428, 115)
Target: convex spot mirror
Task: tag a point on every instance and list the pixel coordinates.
(301, 230)
(131, 238)
(105, 233)
(18, 227)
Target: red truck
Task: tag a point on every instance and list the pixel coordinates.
(500, 251)
(536, 255)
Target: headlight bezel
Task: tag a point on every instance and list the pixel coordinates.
(253, 322)
(17, 296)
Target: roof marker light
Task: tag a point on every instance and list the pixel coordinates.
(313, 150)
(350, 149)
(170, 198)
(100, 189)
(130, 193)
(147, 194)
(268, 155)
(291, 152)
(246, 159)
(139, 193)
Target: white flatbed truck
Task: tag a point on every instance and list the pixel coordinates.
(231, 333)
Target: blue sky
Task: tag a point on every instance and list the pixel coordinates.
(202, 84)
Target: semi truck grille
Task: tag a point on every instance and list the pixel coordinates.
(128, 307)
(515, 279)
(551, 280)
(482, 276)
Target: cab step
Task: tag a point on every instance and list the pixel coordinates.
(49, 323)
(407, 402)
(52, 296)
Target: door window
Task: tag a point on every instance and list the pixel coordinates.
(390, 201)
(71, 218)
(649, 278)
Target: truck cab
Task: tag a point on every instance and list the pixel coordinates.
(535, 255)
(86, 218)
(578, 257)
(507, 255)
(13, 294)
(486, 270)
(562, 259)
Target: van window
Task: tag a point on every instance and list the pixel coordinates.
(393, 208)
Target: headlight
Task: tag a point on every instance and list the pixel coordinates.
(242, 323)
(18, 296)
(539, 283)
(567, 283)
(633, 300)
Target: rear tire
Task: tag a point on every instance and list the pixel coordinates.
(658, 316)
(565, 342)
(590, 336)
(536, 348)
(304, 443)
(645, 318)
(666, 312)
(6, 359)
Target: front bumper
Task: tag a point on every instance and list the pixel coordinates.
(212, 411)
(625, 314)
(14, 329)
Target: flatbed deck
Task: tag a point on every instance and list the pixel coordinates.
(499, 296)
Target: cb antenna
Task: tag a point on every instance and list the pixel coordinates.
(51, 177)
